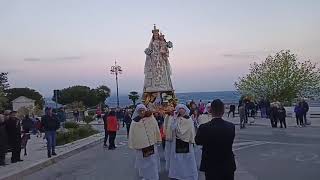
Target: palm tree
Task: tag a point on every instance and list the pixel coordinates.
(134, 96)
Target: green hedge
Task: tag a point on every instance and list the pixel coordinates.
(88, 119)
(74, 134)
(91, 113)
(71, 125)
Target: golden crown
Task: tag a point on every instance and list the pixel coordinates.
(155, 30)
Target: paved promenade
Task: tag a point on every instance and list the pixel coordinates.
(37, 155)
(262, 154)
(291, 122)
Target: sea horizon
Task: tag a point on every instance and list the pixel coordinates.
(228, 97)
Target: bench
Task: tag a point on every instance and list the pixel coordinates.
(314, 115)
(24, 141)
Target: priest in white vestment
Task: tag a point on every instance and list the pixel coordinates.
(144, 135)
(182, 164)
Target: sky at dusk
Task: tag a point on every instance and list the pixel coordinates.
(48, 45)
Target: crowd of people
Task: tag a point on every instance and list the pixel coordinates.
(14, 131)
(194, 136)
(247, 111)
(274, 111)
(301, 109)
(10, 130)
(192, 141)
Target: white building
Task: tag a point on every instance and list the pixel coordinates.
(22, 102)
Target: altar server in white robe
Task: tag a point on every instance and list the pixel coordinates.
(182, 158)
(204, 118)
(144, 135)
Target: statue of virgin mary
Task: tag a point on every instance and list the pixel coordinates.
(157, 67)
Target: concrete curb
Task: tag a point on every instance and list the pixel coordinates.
(268, 125)
(17, 175)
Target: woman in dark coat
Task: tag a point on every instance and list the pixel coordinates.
(127, 120)
(3, 141)
(27, 124)
(274, 115)
(13, 128)
(299, 114)
(282, 117)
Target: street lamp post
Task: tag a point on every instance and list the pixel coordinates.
(116, 69)
(56, 94)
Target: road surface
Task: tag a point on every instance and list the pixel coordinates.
(262, 153)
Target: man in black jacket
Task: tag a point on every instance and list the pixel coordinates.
(305, 106)
(13, 128)
(127, 120)
(274, 115)
(51, 124)
(216, 137)
(105, 125)
(282, 114)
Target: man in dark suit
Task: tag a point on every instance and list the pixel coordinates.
(217, 137)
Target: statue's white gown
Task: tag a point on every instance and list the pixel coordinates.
(157, 68)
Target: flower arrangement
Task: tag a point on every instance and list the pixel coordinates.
(169, 44)
(148, 51)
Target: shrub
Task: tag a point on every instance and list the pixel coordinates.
(91, 113)
(88, 119)
(86, 131)
(71, 125)
(75, 134)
